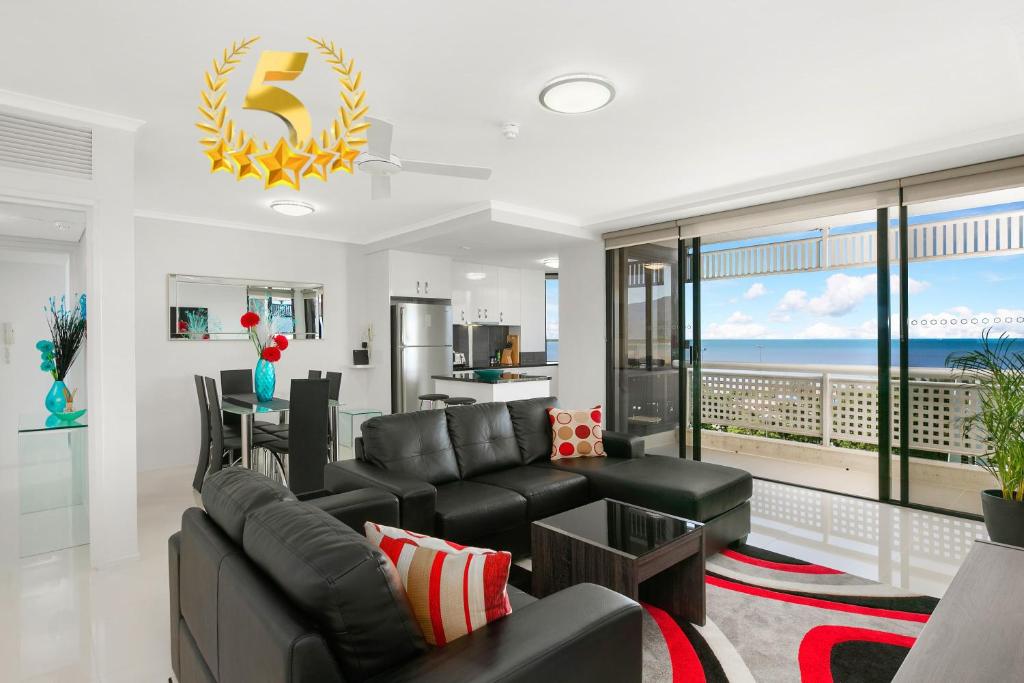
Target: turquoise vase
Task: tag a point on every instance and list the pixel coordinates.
(266, 380)
(56, 398)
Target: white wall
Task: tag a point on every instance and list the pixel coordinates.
(581, 325)
(168, 418)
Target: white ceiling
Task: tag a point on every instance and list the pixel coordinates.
(40, 223)
(716, 101)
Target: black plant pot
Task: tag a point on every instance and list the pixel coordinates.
(1004, 518)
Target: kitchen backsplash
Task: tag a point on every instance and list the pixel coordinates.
(486, 340)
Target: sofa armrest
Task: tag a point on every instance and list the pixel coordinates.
(416, 498)
(583, 633)
(354, 508)
(173, 575)
(619, 445)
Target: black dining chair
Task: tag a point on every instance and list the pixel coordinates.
(305, 448)
(333, 385)
(239, 382)
(315, 374)
(203, 462)
(222, 445)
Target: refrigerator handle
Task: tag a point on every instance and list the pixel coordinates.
(400, 386)
(401, 325)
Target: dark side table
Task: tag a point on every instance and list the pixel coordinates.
(640, 553)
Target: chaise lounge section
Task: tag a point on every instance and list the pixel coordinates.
(481, 474)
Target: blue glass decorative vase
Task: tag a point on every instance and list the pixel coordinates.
(56, 398)
(265, 380)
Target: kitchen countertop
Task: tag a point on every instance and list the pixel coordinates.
(505, 378)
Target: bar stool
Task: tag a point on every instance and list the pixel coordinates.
(459, 401)
(432, 400)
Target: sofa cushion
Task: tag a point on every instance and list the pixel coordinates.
(584, 466)
(344, 584)
(466, 511)
(576, 433)
(414, 445)
(453, 589)
(532, 425)
(547, 491)
(695, 490)
(483, 438)
(232, 493)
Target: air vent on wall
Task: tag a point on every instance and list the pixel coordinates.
(45, 147)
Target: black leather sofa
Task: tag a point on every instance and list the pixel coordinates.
(267, 589)
(480, 474)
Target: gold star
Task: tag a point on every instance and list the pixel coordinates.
(279, 162)
(219, 159)
(246, 168)
(346, 155)
(318, 167)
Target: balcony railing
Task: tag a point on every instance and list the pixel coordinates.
(839, 403)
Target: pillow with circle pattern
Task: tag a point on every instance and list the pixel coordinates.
(576, 433)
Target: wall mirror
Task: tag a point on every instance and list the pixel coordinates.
(203, 308)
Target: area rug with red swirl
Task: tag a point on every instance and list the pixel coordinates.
(775, 618)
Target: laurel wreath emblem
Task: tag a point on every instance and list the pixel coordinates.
(232, 149)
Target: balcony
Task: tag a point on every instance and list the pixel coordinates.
(817, 426)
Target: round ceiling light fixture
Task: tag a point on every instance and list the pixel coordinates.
(550, 262)
(292, 207)
(577, 93)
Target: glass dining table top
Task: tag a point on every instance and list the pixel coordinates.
(248, 404)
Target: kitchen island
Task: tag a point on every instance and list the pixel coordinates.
(510, 386)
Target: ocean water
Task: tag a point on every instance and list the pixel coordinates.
(924, 353)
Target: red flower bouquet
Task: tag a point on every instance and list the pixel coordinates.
(269, 350)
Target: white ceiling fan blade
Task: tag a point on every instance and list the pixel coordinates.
(378, 138)
(457, 170)
(380, 187)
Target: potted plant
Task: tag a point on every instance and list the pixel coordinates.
(58, 353)
(996, 371)
(268, 349)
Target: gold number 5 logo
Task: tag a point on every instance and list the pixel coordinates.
(280, 66)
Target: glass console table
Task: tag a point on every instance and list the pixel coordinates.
(53, 481)
(349, 420)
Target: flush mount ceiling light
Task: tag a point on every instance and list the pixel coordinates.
(654, 266)
(61, 226)
(550, 262)
(476, 276)
(291, 207)
(577, 93)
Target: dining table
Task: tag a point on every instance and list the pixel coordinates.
(247, 406)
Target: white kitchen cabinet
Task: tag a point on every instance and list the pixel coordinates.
(510, 296)
(533, 318)
(462, 296)
(423, 276)
(483, 292)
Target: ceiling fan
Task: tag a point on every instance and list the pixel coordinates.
(381, 164)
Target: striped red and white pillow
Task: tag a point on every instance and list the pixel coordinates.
(576, 433)
(453, 589)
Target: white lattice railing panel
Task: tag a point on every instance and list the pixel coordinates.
(943, 538)
(974, 236)
(855, 409)
(779, 403)
(854, 519)
(791, 403)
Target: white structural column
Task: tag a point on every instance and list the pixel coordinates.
(110, 249)
(581, 334)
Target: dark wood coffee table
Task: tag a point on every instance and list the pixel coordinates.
(643, 554)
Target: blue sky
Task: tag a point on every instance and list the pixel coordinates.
(954, 298)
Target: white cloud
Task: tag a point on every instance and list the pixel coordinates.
(824, 330)
(842, 294)
(913, 286)
(739, 317)
(779, 317)
(793, 300)
(729, 330)
(756, 290)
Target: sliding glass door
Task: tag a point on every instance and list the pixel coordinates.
(649, 353)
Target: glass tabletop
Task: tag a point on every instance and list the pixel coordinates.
(247, 404)
(620, 526)
(45, 422)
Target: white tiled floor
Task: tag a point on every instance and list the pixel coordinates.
(64, 622)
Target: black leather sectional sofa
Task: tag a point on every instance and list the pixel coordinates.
(267, 589)
(480, 474)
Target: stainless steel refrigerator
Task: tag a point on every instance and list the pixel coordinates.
(421, 343)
